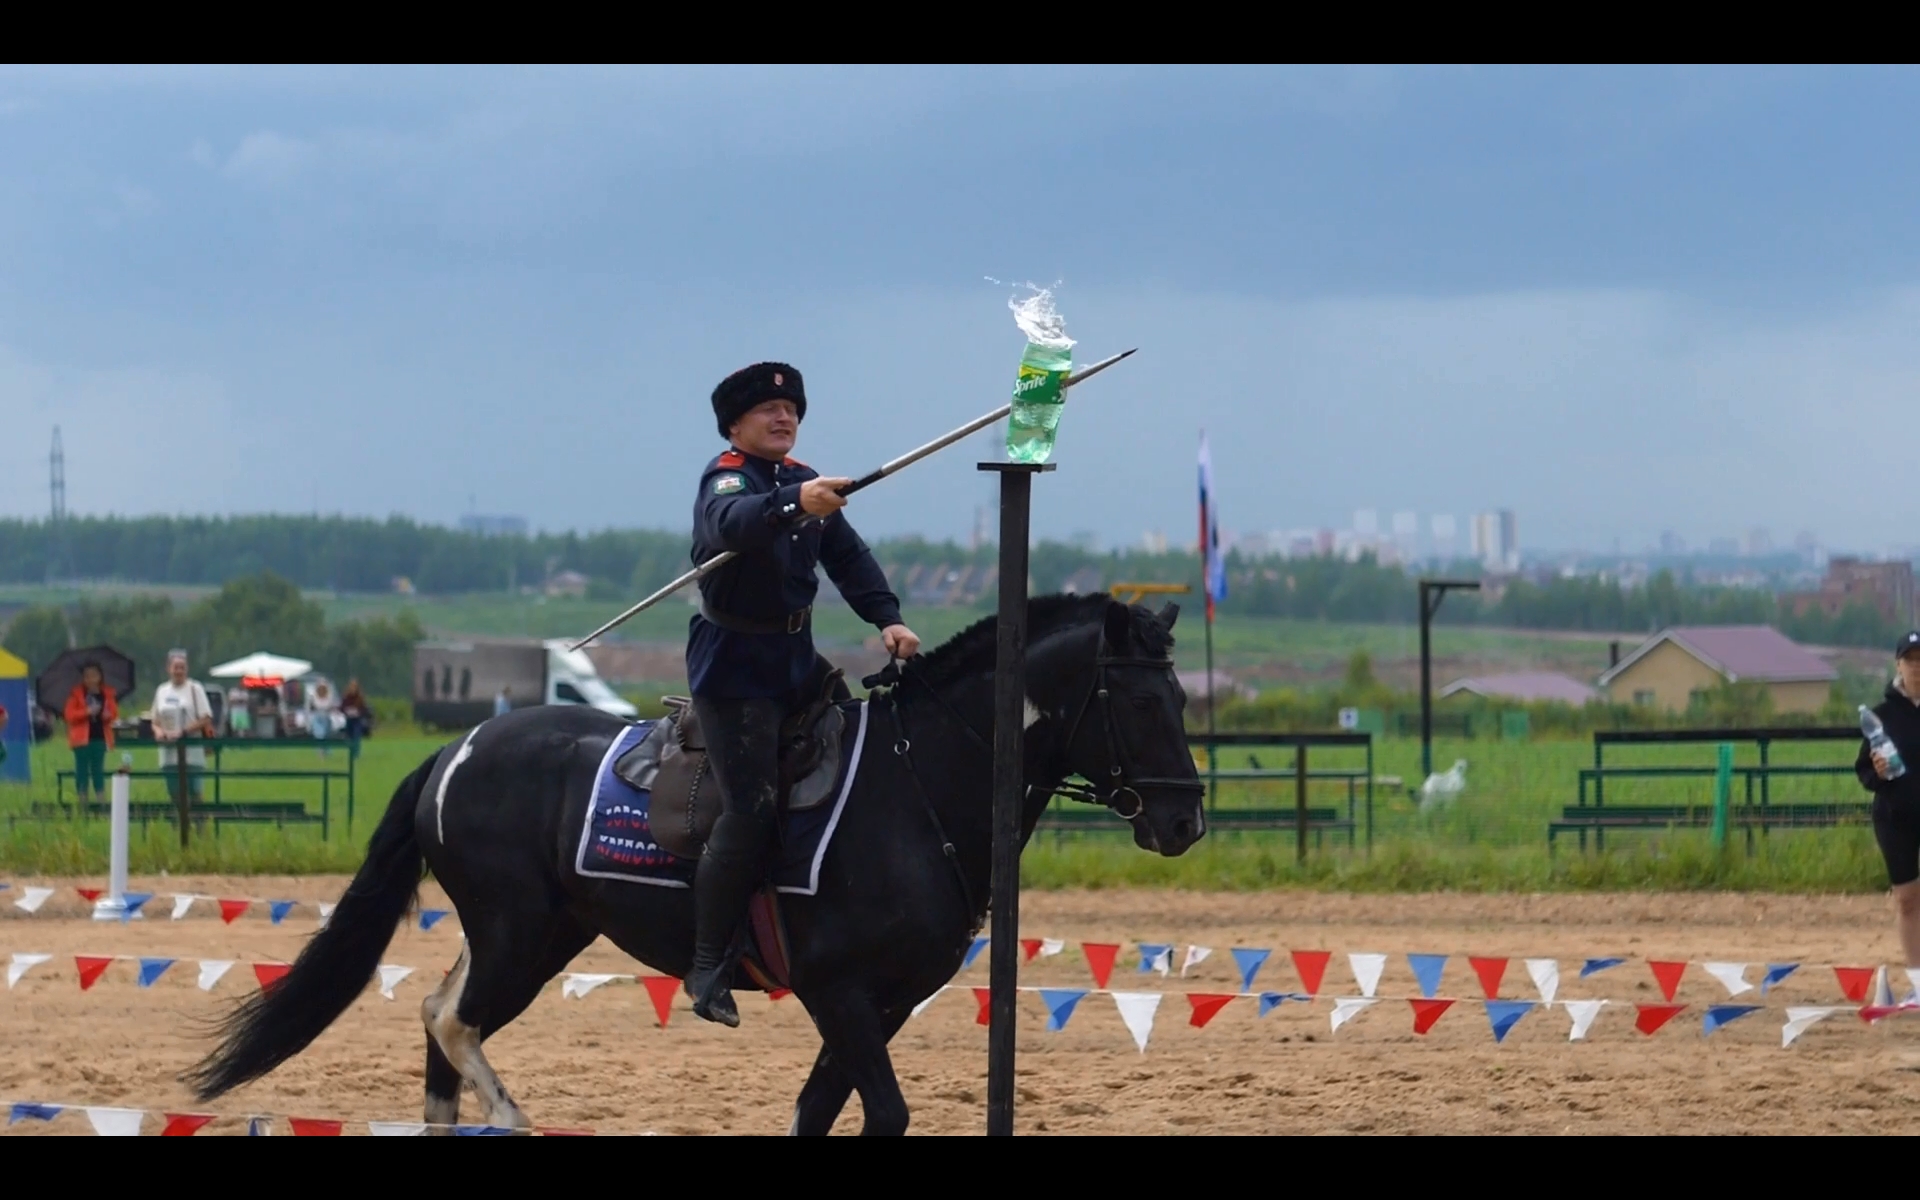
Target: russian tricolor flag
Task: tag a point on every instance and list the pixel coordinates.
(1212, 564)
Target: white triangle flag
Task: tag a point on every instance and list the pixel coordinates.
(211, 969)
(1366, 971)
(116, 1122)
(1799, 1020)
(1136, 1010)
(1195, 956)
(21, 964)
(1732, 976)
(33, 898)
(397, 1128)
(390, 975)
(1913, 984)
(1583, 1012)
(1347, 1009)
(181, 904)
(922, 1006)
(326, 910)
(1882, 991)
(579, 985)
(1545, 973)
(1051, 946)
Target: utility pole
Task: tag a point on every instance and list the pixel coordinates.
(59, 564)
(1432, 592)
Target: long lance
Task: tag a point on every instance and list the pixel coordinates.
(905, 460)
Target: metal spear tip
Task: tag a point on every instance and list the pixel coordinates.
(1096, 368)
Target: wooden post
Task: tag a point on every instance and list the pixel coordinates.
(1300, 803)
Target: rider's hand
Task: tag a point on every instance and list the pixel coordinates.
(901, 642)
(818, 497)
(1880, 765)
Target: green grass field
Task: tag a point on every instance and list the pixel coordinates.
(1492, 839)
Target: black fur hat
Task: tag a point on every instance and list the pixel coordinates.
(739, 392)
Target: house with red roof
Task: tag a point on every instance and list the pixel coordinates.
(1681, 663)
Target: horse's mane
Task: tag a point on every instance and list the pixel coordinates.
(973, 648)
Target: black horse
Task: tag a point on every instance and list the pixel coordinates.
(903, 887)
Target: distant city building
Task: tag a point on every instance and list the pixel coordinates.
(494, 526)
(1366, 522)
(1496, 540)
(1154, 542)
(1723, 547)
(1888, 586)
(1758, 543)
(1672, 544)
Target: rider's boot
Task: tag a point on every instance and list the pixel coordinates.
(733, 865)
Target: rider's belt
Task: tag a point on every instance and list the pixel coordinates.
(795, 622)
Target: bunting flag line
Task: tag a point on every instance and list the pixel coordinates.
(230, 908)
(109, 1121)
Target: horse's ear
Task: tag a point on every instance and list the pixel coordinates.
(1119, 624)
(1169, 613)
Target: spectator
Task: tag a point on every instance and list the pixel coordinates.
(239, 712)
(357, 715)
(92, 709)
(320, 706)
(181, 711)
(503, 703)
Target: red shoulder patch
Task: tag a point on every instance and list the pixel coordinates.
(794, 462)
(732, 458)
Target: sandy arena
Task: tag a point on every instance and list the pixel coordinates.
(602, 1063)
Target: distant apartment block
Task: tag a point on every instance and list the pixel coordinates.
(1888, 586)
(1496, 540)
(494, 526)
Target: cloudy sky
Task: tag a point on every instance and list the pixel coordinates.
(1615, 301)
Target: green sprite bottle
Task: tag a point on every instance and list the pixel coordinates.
(1038, 394)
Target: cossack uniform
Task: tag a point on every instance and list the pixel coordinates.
(750, 654)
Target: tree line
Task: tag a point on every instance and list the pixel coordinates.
(347, 554)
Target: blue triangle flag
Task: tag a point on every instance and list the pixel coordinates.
(973, 952)
(1150, 954)
(1426, 969)
(1775, 973)
(29, 1111)
(1060, 1002)
(152, 969)
(1503, 1015)
(1720, 1014)
(259, 1126)
(1270, 1001)
(133, 901)
(278, 910)
(480, 1131)
(1249, 962)
(429, 917)
(1595, 965)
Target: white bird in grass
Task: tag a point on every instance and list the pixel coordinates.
(1441, 789)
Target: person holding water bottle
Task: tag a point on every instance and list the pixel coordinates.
(1890, 742)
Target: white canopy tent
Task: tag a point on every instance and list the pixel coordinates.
(261, 665)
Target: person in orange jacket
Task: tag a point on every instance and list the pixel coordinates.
(91, 712)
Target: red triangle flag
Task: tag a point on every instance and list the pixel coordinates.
(184, 1124)
(1205, 1005)
(309, 1127)
(1490, 971)
(89, 894)
(1854, 981)
(776, 993)
(985, 997)
(1426, 1012)
(229, 909)
(1312, 965)
(270, 973)
(90, 968)
(1030, 947)
(1667, 974)
(1100, 958)
(1653, 1016)
(662, 988)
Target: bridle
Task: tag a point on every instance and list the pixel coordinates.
(1109, 793)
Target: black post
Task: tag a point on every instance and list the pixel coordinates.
(1437, 589)
(1300, 803)
(1009, 785)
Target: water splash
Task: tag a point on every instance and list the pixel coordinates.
(1037, 317)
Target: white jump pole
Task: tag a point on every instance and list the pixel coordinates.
(113, 905)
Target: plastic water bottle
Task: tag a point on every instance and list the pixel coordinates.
(1881, 744)
(1037, 401)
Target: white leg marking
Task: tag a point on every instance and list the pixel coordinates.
(460, 1042)
(1032, 714)
(793, 1126)
(440, 793)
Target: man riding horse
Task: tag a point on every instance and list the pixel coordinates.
(750, 655)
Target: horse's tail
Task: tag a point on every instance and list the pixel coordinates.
(279, 1021)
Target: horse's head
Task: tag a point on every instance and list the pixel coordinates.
(1128, 737)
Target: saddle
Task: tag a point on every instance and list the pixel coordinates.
(671, 762)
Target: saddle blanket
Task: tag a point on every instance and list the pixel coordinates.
(616, 841)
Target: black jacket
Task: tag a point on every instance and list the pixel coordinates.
(1900, 717)
(751, 506)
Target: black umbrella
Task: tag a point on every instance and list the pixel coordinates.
(56, 683)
